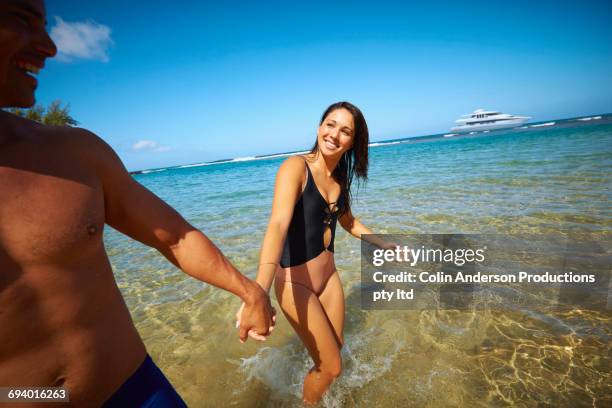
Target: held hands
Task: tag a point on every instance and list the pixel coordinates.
(256, 317)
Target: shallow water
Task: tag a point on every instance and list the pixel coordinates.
(539, 181)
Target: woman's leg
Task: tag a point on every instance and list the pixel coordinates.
(332, 300)
(305, 313)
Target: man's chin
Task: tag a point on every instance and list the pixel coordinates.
(22, 101)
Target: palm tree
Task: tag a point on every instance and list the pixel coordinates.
(54, 115)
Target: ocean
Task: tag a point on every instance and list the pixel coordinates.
(550, 178)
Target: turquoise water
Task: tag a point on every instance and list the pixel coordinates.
(549, 180)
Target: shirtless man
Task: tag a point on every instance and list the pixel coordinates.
(63, 321)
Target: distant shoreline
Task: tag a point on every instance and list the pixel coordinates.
(601, 116)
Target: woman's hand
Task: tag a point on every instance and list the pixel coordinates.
(249, 319)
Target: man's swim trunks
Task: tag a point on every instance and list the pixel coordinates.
(147, 387)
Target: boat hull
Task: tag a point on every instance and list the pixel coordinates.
(501, 124)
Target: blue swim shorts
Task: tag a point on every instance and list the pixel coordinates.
(148, 387)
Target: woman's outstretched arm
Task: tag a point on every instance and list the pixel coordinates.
(354, 227)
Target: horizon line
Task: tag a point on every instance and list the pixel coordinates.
(280, 154)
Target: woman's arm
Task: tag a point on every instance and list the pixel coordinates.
(289, 181)
(354, 227)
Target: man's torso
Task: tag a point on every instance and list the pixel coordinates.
(62, 318)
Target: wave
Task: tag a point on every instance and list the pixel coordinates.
(450, 134)
(271, 156)
(376, 144)
(242, 159)
(193, 165)
(282, 369)
(152, 171)
(543, 124)
(590, 118)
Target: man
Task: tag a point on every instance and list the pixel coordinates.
(63, 321)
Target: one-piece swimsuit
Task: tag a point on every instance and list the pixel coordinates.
(306, 260)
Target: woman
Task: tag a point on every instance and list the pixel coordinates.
(311, 193)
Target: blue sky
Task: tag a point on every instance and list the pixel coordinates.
(168, 83)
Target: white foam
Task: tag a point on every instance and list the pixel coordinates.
(451, 134)
(590, 118)
(152, 171)
(376, 144)
(283, 154)
(543, 124)
(282, 370)
(241, 159)
(194, 165)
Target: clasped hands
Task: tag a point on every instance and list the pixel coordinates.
(256, 317)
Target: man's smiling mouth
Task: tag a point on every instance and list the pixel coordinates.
(27, 67)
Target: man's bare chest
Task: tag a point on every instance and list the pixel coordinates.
(49, 217)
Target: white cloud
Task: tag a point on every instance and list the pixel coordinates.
(149, 146)
(84, 40)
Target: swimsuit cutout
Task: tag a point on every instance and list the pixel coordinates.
(312, 216)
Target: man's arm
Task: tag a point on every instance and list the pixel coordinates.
(140, 214)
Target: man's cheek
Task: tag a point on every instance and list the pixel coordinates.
(9, 44)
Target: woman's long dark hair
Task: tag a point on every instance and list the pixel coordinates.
(355, 160)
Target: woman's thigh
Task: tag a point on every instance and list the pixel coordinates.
(332, 300)
(307, 316)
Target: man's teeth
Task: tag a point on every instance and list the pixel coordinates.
(28, 67)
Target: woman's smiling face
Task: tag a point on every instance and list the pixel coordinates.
(336, 133)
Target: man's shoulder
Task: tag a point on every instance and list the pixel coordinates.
(75, 141)
(69, 137)
(80, 146)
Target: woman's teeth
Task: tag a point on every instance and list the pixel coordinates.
(330, 145)
(27, 67)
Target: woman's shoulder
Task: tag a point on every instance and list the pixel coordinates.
(294, 163)
(292, 168)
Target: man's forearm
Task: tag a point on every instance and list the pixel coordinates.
(197, 256)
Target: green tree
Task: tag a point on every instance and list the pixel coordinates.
(55, 114)
(58, 116)
(35, 113)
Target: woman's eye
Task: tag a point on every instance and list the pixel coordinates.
(329, 125)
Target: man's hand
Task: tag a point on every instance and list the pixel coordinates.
(256, 317)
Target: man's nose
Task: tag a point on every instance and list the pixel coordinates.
(45, 45)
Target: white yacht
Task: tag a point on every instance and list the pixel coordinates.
(481, 120)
